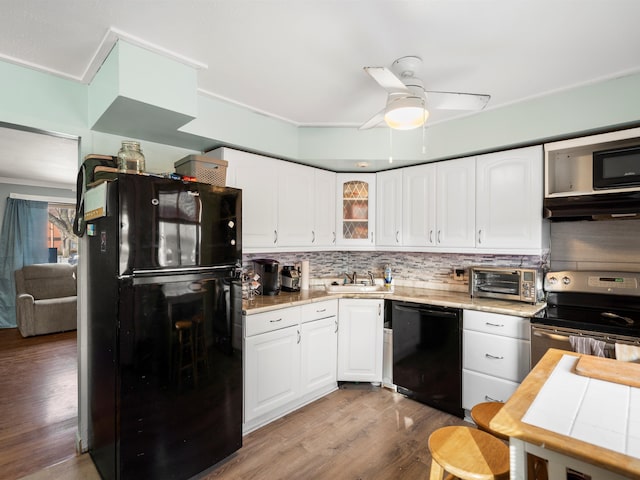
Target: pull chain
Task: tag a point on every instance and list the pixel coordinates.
(390, 145)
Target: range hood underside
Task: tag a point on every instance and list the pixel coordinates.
(606, 206)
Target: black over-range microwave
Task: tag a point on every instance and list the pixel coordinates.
(616, 168)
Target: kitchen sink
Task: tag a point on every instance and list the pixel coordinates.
(357, 288)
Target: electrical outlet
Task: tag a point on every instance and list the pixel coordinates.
(458, 274)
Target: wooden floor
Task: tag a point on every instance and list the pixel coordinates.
(354, 433)
(38, 401)
(357, 432)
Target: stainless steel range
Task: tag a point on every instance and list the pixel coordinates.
(583, 305)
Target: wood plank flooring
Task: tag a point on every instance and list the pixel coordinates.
(357, 432)
(38, 401)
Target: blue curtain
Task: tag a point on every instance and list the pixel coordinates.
(23, 241)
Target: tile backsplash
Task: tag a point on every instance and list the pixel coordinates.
(435, 269)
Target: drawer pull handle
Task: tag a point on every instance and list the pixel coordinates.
(321, 311)
(494, 324)
(299, 337)
(493, 357)
(336, 327)
(276, 320)
(489, 399)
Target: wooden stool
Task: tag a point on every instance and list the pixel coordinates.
(468, 454)
(185, 343)
(483, 413)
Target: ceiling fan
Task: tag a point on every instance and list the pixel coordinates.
(407, 99)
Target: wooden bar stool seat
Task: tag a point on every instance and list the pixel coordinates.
(468, 454)
(483, 413)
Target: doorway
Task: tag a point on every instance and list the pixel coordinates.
(39, 165)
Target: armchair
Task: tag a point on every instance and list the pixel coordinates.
(46, 298)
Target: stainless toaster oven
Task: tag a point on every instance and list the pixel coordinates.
(506, 283)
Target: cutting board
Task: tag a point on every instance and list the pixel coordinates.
(609, 370)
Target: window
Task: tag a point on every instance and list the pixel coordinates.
(62, 242)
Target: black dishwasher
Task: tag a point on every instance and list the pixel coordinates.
(427, 353)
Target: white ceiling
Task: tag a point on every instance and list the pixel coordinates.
(302, 60)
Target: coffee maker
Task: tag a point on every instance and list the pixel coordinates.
(290, 279)
(269, 280)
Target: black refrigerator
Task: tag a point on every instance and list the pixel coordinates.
(165, 381)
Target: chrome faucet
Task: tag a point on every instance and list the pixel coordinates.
(371, 279)
(351, 278)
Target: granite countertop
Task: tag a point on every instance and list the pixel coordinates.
(403, 293)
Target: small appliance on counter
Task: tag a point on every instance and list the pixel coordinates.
(290, 279)
(506, 283)
(269, 271)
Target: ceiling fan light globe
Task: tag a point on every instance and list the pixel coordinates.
(406, 117)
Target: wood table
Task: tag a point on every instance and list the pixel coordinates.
(564, 451)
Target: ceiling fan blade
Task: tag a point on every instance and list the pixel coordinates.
(456, 101)
(373, 121)
(386, 79)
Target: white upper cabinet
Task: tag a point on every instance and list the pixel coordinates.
(509, 200)
(439, 205)
(296, 188)
(324, 233)
(257, 176)
(355, 209)
(284, 205)
(491, 204)
(455, 203)
(389, 208)
(419, 205)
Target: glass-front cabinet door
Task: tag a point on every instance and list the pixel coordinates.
(356, 209)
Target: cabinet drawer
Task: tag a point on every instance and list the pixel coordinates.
(318, 310)
(478, 388)
(502, 357)
(497, 324)
(269, 321)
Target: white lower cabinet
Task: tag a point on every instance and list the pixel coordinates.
(272, 371)
(360, 340)
(290, 357)
(496, 356)
(319, 354)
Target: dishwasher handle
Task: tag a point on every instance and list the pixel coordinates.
(427, 311)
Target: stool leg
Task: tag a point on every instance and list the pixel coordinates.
(180, 357)
(437, 472)
(203, 347)
(201, 344)
(193, 358)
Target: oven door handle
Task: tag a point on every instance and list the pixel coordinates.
(552, 336)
